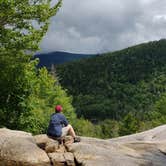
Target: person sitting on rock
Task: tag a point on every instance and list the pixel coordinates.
(59, 126)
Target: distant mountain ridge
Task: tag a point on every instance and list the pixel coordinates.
(47, 59)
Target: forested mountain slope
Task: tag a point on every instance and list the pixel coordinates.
(117, 83)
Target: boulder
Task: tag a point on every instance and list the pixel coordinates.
(69, 158)
(18, 148)
(62, 159)
(68, 140)
(52, 146)
(45, 142)
(155, 134)
(142, 149)
(147, 148)
(57, 159)
(41, 140)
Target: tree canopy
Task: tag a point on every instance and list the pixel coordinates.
(23, 24)
(126, 86)
(27, 94)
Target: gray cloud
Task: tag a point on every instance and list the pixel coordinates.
(95, 26)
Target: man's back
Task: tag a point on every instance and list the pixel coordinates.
(56, 123)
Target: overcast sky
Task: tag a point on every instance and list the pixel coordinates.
(96, 26)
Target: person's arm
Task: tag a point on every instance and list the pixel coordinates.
(64, 120)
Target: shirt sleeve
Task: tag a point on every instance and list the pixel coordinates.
(64, 120)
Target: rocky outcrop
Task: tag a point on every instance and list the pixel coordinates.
(143, 149)
(19, 148)
(56, 150)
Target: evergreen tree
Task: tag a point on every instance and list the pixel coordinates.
(27, 95)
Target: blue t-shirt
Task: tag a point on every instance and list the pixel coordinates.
(56, 123)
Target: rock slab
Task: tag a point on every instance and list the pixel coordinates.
(18, 148)
(143, 149)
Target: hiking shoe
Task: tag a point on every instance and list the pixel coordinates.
(77, 139)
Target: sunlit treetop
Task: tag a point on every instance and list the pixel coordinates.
(23, 23)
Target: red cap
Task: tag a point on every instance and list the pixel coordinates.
(58, 108)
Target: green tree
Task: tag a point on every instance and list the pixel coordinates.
(110, 128)
(23, 24)
(37, 107)
(116, 83)
(27, 94)
(86, 128)
(130, 124)
(158, 114)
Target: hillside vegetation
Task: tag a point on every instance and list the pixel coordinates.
(114, 94)
(27, 94)
(127, 86)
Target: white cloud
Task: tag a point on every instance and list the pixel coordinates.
(159, 18)
(94, 26)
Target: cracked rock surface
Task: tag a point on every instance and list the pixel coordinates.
(19, 148)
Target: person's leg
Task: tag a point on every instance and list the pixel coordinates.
(68, 130)
(71, 131)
